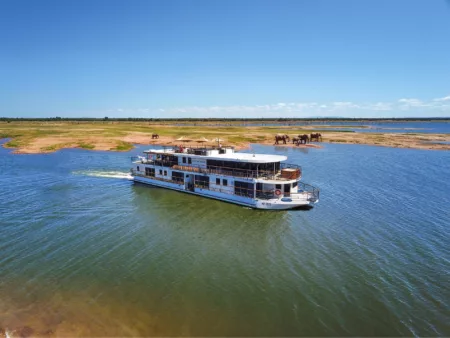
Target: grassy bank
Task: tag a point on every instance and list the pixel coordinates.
(49, 136)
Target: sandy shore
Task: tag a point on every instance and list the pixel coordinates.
(47, 137)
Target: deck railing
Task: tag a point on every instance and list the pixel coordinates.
(311, 191)
(244, 192)
(219, 170)
(191, 149)
(284, 165)
(305, 191)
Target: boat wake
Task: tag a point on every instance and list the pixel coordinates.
(106, 174)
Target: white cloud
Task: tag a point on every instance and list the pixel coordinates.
(380, 106)
(446, 98)
(411, 102)
(403, 107)
(345, 105)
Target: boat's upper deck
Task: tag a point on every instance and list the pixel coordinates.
(222, 161)
(219, 153)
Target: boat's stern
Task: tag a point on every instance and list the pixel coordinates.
(306, 197)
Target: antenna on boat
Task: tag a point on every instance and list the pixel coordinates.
(252, 150)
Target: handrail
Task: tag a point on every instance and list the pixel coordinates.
(245, 191)
(284, 165)
(219, 170)
(312, 193)
(176, 148)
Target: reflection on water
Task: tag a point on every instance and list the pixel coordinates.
(85, 252)
(286, 150)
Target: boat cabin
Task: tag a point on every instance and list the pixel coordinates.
(223, 170)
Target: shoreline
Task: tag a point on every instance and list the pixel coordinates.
(41, 138)
(316, 145)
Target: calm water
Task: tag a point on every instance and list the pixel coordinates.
(365, 127)
(83, 251)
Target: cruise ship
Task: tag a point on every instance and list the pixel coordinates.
(257, 181)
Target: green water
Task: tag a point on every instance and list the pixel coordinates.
(85, 252)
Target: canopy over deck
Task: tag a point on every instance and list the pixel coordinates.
(229, 156)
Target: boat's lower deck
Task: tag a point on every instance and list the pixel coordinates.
(294, 200)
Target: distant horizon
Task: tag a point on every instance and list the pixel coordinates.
(131, 118)
(436, 107)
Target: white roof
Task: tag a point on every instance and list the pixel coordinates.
(244, 157)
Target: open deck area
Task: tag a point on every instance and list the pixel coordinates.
(281, 172)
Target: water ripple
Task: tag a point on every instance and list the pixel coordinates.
(84, 252)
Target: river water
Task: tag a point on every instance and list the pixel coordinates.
(85, 252)
(426, 127)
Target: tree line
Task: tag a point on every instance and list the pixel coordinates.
(139, 119)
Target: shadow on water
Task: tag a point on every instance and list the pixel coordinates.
(179, 209)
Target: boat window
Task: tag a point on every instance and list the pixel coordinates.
(294, 184)
(218, 181)
(178, 177)
(244, 189)
(150, 172)
(278, 186)
(225, 182)
(137, 168)
(189, 160)
(160, 171)
(184, 159)
(165, 172)
(202, 181)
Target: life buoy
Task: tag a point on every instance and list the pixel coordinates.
(277, 192)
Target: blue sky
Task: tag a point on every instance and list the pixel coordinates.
(228, 58)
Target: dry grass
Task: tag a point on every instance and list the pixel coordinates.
(38, 137)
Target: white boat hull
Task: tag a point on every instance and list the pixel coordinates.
(298, 200)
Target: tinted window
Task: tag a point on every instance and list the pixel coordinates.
(150, 172)
(202, 181)
(178, 177)
(189, 160)
(225, 182)
(278, 186)
(218, 181)
(184, 159)
(244, 189)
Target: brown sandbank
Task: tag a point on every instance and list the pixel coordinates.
(47, 137)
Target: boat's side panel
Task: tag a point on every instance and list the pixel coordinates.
(249, 202)
(273, 204)
(220, 187)
(159, 183)
(278, 204)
